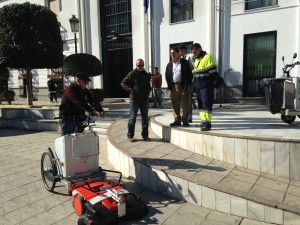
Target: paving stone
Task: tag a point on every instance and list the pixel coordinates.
(219, 167)
(188, 213)
(292, 200)
(258, 192)
(223, 218)
(182, 171)
(69, 220)
(293, 190)
(252, 222)
(233, 186)
(243, 176)
(46, 217)
(207, 178)
(22, 214)
(272, 184)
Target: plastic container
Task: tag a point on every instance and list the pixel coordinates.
(78, 154)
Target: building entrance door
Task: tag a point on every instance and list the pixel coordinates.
(259, 62)
(117, 63)
(116, 45)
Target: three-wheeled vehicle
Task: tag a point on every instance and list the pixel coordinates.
(75, 163)
(283, 94)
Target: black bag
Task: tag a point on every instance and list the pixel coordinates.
(274, 88)
(218, 81)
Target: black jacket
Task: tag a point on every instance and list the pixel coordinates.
(75, 102)
(137, 84)
(186, 74)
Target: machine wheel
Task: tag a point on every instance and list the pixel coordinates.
(288, 119)
(83, 220)
(48, 171)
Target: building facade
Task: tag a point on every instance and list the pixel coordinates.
(247, 38)
(261, 32)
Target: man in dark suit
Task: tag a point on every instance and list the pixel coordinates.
(179, 77)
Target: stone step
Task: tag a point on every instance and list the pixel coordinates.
(30, 124)
(99, 130)
(247, 137)
(42, 119)
(204, 181)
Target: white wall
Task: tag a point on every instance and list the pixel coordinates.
(283, 18)
(140, 40)
(93, 36)
(67, 10)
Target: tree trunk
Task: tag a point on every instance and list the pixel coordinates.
(29, 85)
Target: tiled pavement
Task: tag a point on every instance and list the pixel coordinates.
(23, 200)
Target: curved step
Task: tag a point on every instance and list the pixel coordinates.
(207, 182)
(252, 139)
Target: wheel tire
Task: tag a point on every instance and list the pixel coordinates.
(83, 220)
(288, 119)
(48, 168)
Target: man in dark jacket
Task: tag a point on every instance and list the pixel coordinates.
(77, 100)
(179, 77)
(52, 90)
(137, 84)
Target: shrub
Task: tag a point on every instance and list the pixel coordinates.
(4, 73)
(30, 39)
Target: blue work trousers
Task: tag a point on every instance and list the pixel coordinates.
(206, 98)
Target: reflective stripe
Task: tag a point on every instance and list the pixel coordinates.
(205, 116)
(106, 195)
(210, 69)
(202, 75)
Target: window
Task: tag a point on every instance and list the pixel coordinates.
(181, 10)
(117, 16)
(253, 4)
(188, 46)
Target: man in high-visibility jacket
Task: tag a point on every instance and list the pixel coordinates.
(204, 70)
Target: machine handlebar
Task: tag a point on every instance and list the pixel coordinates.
(288, 67)
(292, 65)
(83, 121)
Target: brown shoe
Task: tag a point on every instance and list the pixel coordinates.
(130, 139)
(146, 139)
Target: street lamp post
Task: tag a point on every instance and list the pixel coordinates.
(74, 22)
